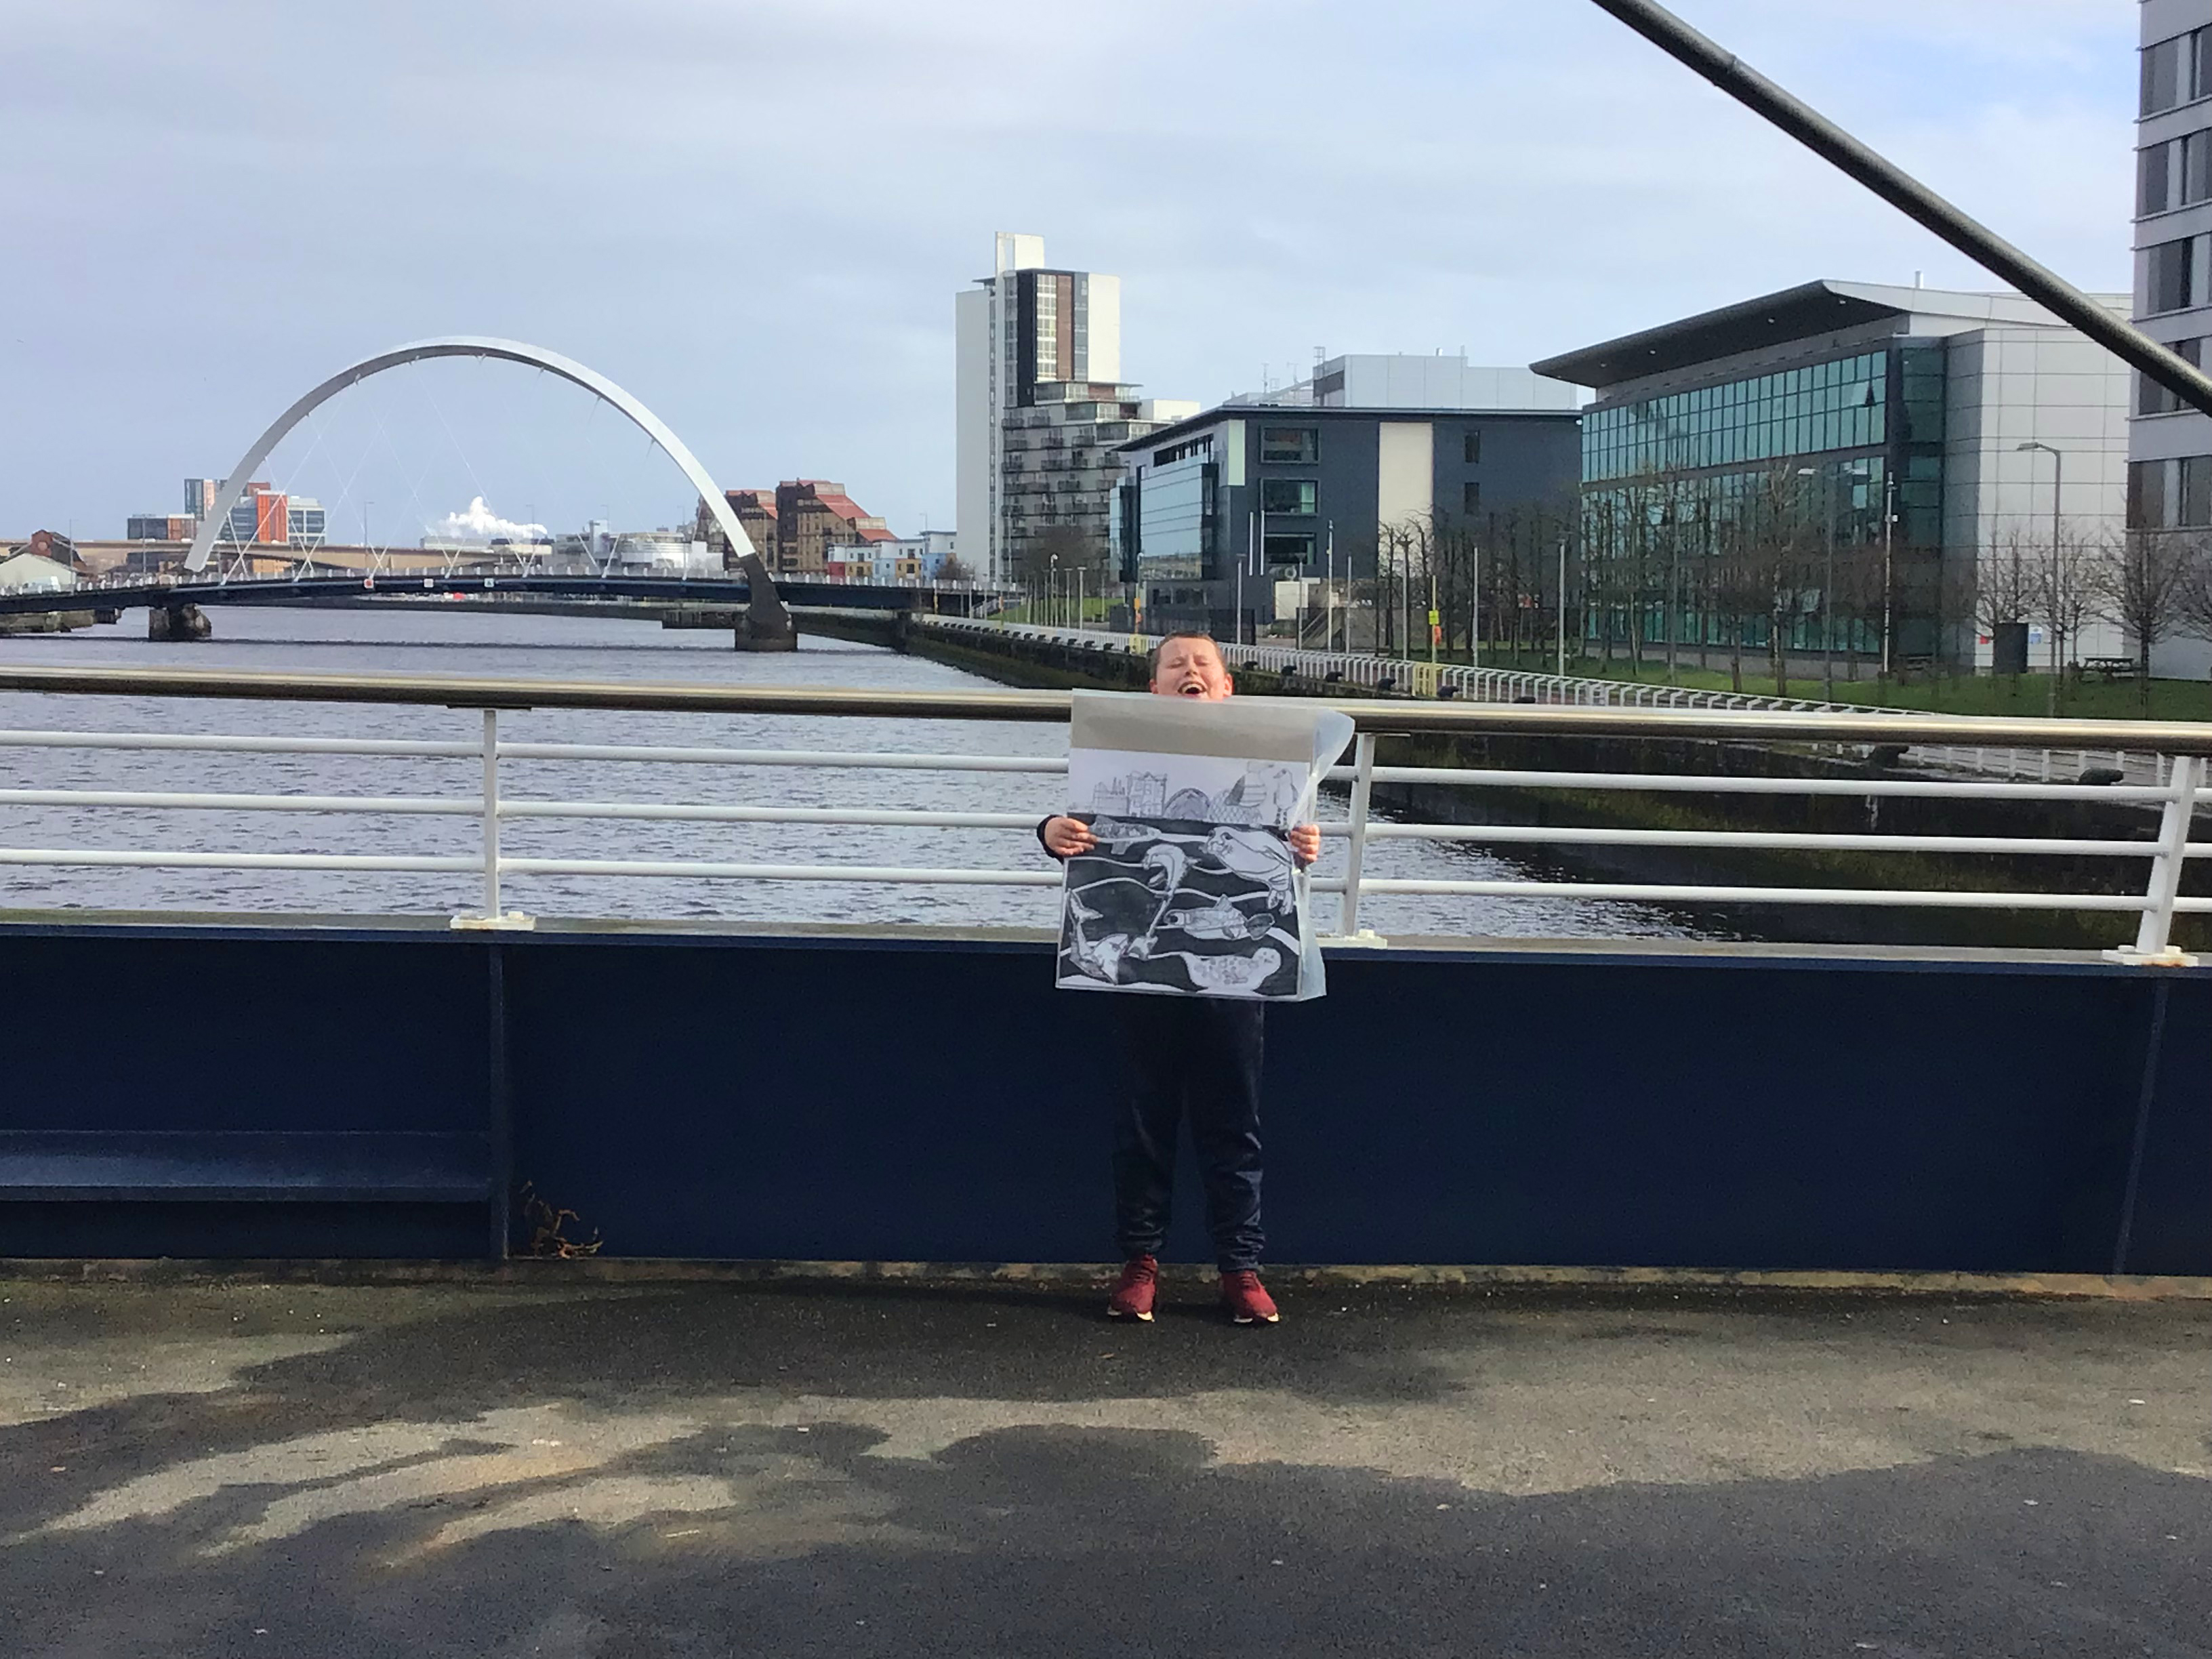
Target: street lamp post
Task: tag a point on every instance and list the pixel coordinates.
(1559, 620)
(1888, 556)
(1828, 603)
(2057, 490)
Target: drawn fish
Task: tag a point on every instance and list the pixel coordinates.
(1263, 858)
(1169, 862)
(1220, 920)
(1228, 973)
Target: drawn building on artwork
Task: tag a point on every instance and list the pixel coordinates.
(1135, 795)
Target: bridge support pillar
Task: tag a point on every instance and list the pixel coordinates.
(765, 625)
(177, 622)
(745, 639)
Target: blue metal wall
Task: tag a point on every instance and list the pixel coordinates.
(924, 1099)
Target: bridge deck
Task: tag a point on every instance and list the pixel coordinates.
(568, 1469)
(398, 585)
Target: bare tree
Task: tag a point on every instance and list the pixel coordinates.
(2003, 583)
(1779, 529)
(1062, 549)
(2142, 578)
(2069, 593)
(1858, 600)
(2008, 580)
(1738, 599)
(2192, 600)
(1401, 558)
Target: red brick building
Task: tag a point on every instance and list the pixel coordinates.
(797, 529)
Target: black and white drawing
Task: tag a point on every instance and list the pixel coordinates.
(1191, 890)
(1198, 788)
(1183, 905)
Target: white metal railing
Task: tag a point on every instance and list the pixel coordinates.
(1412, 677)
(2154, 829)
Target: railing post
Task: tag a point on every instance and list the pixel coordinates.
(1363, 789)
(491, 812)
(2153, 945)
(492, 916)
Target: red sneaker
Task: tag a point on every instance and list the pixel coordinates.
(1245, 1301)
(1132, 1294)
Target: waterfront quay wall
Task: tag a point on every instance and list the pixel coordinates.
(921, 1095)
(1020, 661)
(1011, 659)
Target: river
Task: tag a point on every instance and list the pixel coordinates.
(478, 643)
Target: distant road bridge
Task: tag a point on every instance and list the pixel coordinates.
(169, 593)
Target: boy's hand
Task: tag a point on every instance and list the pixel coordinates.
(1306, 843)
(1065, 837)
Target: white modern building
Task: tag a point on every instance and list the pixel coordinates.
(1040, 403)
(2170, 448)
(1409, 380)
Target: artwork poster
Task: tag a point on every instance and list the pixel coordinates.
(1191, 890)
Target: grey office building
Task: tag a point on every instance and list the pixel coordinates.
(1214, 512)
(2170, 447)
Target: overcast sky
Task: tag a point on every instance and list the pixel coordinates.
(753, 214)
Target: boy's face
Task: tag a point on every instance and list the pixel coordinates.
(1191, 668)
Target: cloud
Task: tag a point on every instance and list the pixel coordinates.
(480, 524)
(659, 196)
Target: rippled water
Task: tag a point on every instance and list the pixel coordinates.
(561, 647)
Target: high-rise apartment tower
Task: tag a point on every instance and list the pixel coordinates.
(1025, 335)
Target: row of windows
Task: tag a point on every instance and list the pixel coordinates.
(1699, 514)
(1841, 404)
(2174, 174)
(1301, 497)
(2170, 495)
(2177, 72)
(2151, 398)
(1300, 446)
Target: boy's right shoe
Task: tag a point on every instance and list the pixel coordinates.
(1134, 1293)
(1245, 1300)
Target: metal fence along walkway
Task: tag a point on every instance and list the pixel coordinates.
(1413, 678)
(2143, 912)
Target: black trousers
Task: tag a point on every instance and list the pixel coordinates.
(1198, 1057)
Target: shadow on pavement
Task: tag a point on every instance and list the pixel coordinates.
(712, 1470)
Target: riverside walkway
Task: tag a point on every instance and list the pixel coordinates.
(538, 1463)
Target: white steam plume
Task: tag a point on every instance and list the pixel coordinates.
(480, 524)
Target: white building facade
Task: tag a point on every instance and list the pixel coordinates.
(1409, 380)
(2170, 448)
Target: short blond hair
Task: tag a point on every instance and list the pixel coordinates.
(1153, 662)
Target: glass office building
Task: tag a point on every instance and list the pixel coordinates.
(1826, 463)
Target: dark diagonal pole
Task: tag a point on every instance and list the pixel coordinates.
(1912, 199)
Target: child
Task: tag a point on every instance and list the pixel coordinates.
(1199, 1055)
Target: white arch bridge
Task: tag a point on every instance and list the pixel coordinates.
(478, 346)
(766, 623)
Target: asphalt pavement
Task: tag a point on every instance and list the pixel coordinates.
(545, 1467)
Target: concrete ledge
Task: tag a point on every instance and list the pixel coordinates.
(1064, 1275)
